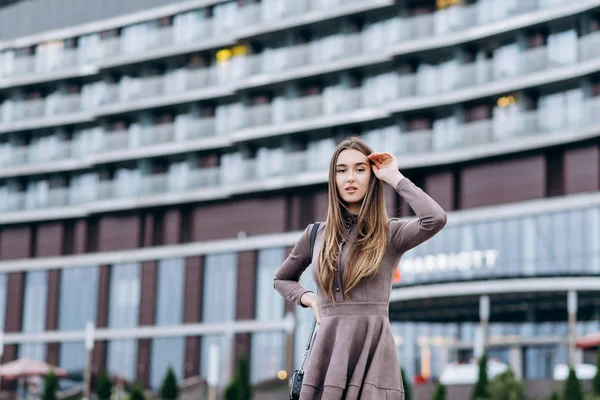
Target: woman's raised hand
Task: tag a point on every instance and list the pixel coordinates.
(385, 167)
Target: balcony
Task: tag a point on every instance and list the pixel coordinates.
(448, 84)
(182, 85)
(442, 28)
(272, 169)
(337, 52)
(283, 116)
(274, 15)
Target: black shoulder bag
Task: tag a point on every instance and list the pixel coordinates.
(299, 373)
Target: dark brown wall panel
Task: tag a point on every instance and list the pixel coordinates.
(246, 298)
(253, 216)
(294, 213)
(103, 293)
(49, 240)
(148, 230)
(148, 294)
(582, 170)
(143, 362)
(246, 285)
(192, 356)
(14, 301)
(53, 299)
(15, 242)
(80, 238)
(99, 357)
(441, 188)
(503, 182)
(119, 232)
(52, 353)
(192, 312)
(320, 203)
(172, 226)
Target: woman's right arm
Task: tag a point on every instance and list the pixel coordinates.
(288, 275)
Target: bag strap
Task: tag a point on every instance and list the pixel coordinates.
(313, 235)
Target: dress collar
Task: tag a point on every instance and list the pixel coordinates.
(349, 218)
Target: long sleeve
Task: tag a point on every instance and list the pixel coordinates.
(431, 218)
(288, 275)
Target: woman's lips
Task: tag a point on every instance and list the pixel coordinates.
(351, 191)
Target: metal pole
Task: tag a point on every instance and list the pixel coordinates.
(89, 346)
(572, 311)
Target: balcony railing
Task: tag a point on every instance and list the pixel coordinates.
(271, 163)
(524, 124)
(453, 19)
(184, 80)
(284, 110)
(483, 72)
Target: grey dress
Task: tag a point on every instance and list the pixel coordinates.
(353, 355)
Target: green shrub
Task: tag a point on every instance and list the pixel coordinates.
(240, 388)
(169, 390)
(554, 395)
(137, 393)
(480, 390)
(596, 380)
(50, 387)
(573, 387)
(103, 387)
(406, 383)
(440, 392)
(506, 387)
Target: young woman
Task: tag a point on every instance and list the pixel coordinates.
(356, 251)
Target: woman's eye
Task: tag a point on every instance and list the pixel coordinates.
(341, 170)
(361, 170)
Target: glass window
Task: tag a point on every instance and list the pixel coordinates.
(220, 285)
(224, 344)
(78, 297)
(304, 318)
(3, 283)
(35, 351)
(269, 304)
(268, 355)
(122, 358)
(169, 301)
(72, 358)
(124, 300)
(268, 348)
(34, 307)
(166, 352)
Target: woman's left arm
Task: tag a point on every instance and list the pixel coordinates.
(431, 218)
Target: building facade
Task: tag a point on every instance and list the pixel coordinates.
(158, 164)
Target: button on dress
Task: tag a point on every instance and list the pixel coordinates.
(353, 355)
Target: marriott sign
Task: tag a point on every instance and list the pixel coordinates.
(447, 262)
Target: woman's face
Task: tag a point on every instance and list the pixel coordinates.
(352, 176)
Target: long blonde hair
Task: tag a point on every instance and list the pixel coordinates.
(368, 250)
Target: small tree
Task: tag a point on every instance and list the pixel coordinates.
(137, 393)
(554, 395)
(480, 390)
(50, 387)
(573, 387)
(406, 384)
(103, 386)
(440, 392)
(169, 389)
(240, 388)
(506, 387)
(596, 381)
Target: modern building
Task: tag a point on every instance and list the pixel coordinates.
(159, 159)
